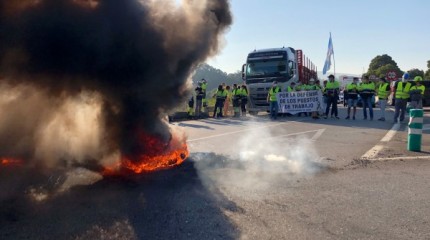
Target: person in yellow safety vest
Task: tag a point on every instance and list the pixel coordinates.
(301, 87)
(292, 87)
(416, 93)
(351, 91)
(298, 87)
(227, 101)
(383, 93)
(272, 99)
(204, 100)
(221, 95)
(402, 94)
(199, 98)
(236, 94)
(243, 99)
(312, 87)
(367, 90)
(332, 92)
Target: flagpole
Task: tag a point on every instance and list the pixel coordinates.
(334, 61)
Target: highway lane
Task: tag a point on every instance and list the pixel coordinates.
(346, 197)
(295, 178)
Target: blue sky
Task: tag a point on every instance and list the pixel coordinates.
(361, 30)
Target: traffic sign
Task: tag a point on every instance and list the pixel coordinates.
(391, 75)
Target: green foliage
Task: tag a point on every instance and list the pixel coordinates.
(415, 72)
(382, 64)
(215, 77)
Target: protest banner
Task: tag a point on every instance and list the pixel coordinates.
(302, 101)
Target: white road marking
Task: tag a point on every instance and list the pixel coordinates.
(234, 132)
(373, 152)
(317, 134)
(400, 158)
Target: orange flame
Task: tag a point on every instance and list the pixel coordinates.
(158, 155)
(10, 162)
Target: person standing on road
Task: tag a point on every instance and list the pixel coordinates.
(301, 87)
(367, 90)
(190, 110)
(243, 99)
(402, 94)
(292, 87)
(312, 87)
(332, 91)
(227, 101)
(416, 93)
(199, 99)
(351, 91)
(204, 100)
(236, 100)
(220, 95)
(383, 93)
(324, 103)
(272, 99)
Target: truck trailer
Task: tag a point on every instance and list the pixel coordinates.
(284, 65)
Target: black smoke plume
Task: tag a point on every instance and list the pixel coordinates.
(130, 58)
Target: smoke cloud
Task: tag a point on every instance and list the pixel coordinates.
(79, 78)
(260, 159)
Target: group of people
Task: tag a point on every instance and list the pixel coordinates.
(273, 101)
(237, 95)
(404, 92)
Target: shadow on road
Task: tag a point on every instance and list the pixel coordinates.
(171, 204)
(183, 124)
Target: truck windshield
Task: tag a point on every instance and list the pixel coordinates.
(259, 68)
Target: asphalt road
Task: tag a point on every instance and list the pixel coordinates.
(295, 178)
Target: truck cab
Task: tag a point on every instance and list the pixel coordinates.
(262, 67)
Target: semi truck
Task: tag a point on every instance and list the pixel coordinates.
(284, 65)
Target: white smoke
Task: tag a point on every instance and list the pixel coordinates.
(260, 150)
(261, 159)
(61, 130)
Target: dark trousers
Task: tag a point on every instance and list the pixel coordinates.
(331, 101)
(367, 103)
(219, 104)
(400, 109)
(274, 109)
(243, 103)
(198, 107)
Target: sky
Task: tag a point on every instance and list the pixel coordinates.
(361, 30)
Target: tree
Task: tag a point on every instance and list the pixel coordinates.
(382, 64)
(215, 76)
(415, 72)
(427, 75)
